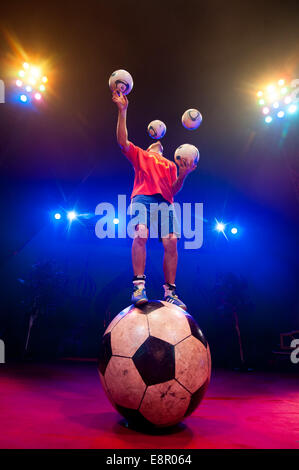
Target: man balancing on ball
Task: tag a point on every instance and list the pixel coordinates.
(156, 181)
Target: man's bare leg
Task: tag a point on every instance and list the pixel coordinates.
(170, 260)
(139, 250)
(138, 261)
(170, 263)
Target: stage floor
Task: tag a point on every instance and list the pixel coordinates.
(62, 406)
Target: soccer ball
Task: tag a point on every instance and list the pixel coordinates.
(121, 80)
(191, 119)
(187, 152)
(156, 129)
(154, 364)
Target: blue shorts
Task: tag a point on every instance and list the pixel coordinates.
(161, 221)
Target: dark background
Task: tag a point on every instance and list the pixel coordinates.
(210, 55)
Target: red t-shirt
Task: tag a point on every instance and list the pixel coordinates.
(154, 174)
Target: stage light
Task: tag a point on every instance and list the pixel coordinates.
(273, 96)
(35, 72)
(57, 216)
(32, 81)
(292, 109)
(277, 101)
(23, 98)
(220, 227)
(71, 215)
(270, 88)
(234, 230)
(116, 221)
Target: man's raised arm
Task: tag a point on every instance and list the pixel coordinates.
(121, 102)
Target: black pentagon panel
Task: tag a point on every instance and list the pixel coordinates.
(195, 330)
(135, 418)
(150, 306)
(197, 397)
(155, 361)
(105, 353)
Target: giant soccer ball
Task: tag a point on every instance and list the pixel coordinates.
(191, 119)
(187, 152)
(154, 364)
(122, 81)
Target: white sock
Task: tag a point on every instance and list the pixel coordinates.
(139, 283)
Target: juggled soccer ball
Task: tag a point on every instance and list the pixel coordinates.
(187, 152)
(156, 129)
(191, 119)
(121, 80)
(154, 364)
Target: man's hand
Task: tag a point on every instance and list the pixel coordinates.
(185, 167)
(120, 100)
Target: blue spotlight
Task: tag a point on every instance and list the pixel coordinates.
(24, 98)
(116, 221)
(234, 230)
(220, 227)
(57, 216)
(71, 215)
(280, 114)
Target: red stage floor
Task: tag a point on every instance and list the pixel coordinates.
(63, 406)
